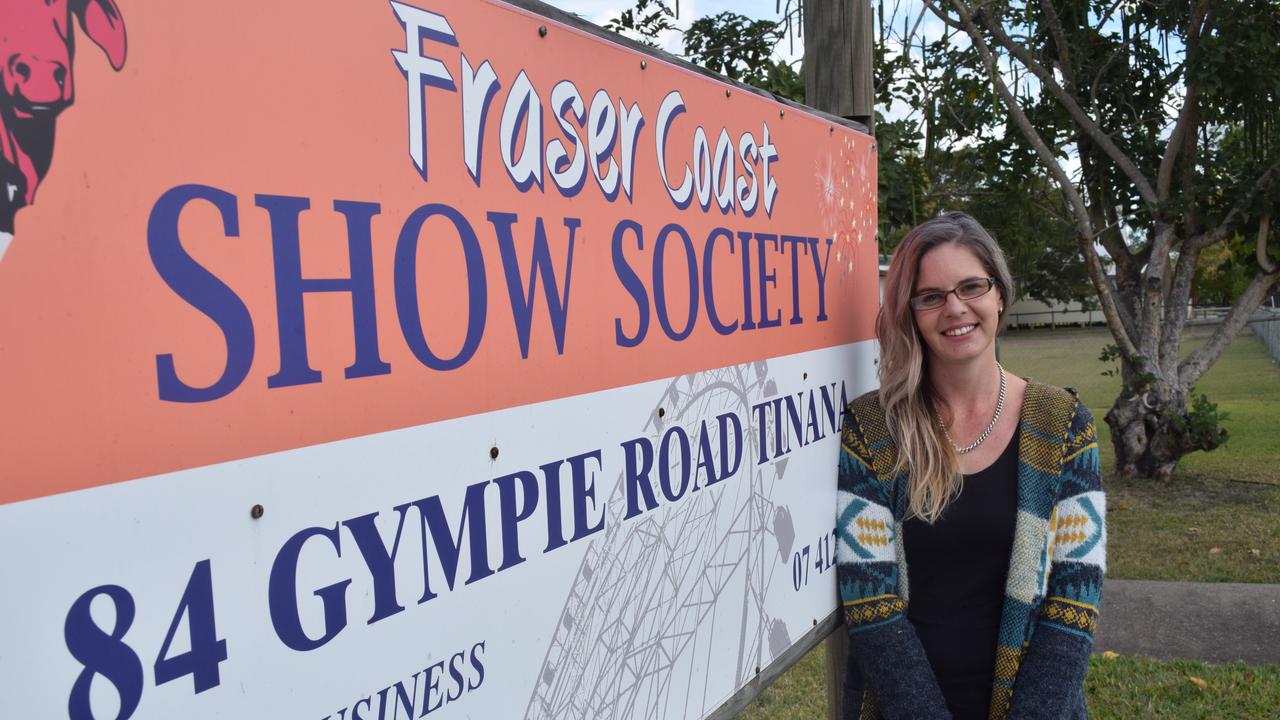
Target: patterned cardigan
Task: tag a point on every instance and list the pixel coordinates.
(1055, 572)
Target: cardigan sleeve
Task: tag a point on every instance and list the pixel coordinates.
(889, 656)
(1053, 668)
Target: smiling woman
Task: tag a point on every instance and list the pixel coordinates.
(991, 485)
(958, 324)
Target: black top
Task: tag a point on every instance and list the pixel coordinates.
(956, 573)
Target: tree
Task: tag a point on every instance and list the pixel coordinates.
(742, 49)
(731, 44)
(644, 22)
(1170, 109)
(946, 150)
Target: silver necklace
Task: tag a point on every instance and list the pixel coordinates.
(994, 418)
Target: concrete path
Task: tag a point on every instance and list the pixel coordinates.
(1215, 622)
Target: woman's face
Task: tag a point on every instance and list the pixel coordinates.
(958, 330)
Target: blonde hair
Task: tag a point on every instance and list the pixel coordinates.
(905, 395)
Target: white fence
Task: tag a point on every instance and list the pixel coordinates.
(1025, 314)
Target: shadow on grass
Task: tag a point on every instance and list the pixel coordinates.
(1193, 528)
(1118, 688)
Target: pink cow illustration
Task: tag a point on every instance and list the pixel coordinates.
(36, 49)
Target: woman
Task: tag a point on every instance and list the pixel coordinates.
(970, 513)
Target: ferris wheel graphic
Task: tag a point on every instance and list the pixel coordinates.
(665, 601)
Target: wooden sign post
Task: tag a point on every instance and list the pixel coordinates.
(838, 80)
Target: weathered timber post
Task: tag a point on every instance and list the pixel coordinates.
(837, 79)
(837, 59)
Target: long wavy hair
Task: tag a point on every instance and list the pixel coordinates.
(905, 394)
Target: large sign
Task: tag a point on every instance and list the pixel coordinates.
(386, 360)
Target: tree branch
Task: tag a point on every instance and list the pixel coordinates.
(1220, 232)
(1153, 290)
(1106, 17)
(1164, 177)
(1103, 209)
(1059, 39)
(1201, 22)
(1084, 228)
(1103, 215)
(1264, 260)
(1112, 239)
(1175, 311)
(1097, 79)
(1047, 81)
(1190, 370)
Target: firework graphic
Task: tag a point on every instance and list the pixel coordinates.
(845, 187)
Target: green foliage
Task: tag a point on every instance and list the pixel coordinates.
(1111, 353)
(1030, 220)
(734, 45)
(731, 44)
(1223, 271)
(953, 152)
(903, 180)
(782, 80)
(1131, 369)
(1238, 72)
(1127, 65)
(1202, 425)
(928, 162)
(644, 22)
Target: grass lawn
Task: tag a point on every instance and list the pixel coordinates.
(1216, 520)
(800, 694)
(1244, 382)
(1221, 510)
(1118, 688)
(1126, 687)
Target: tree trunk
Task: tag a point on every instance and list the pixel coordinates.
(1144, 441)
(1152, 429)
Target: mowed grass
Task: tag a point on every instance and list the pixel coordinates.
(1218, 518)
(1244, 382)
(800, 694)
(1118, 688)
(1131, 687)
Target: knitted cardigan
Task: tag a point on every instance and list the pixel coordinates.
(1055, 572)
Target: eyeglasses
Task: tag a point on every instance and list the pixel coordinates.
(968, 290)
